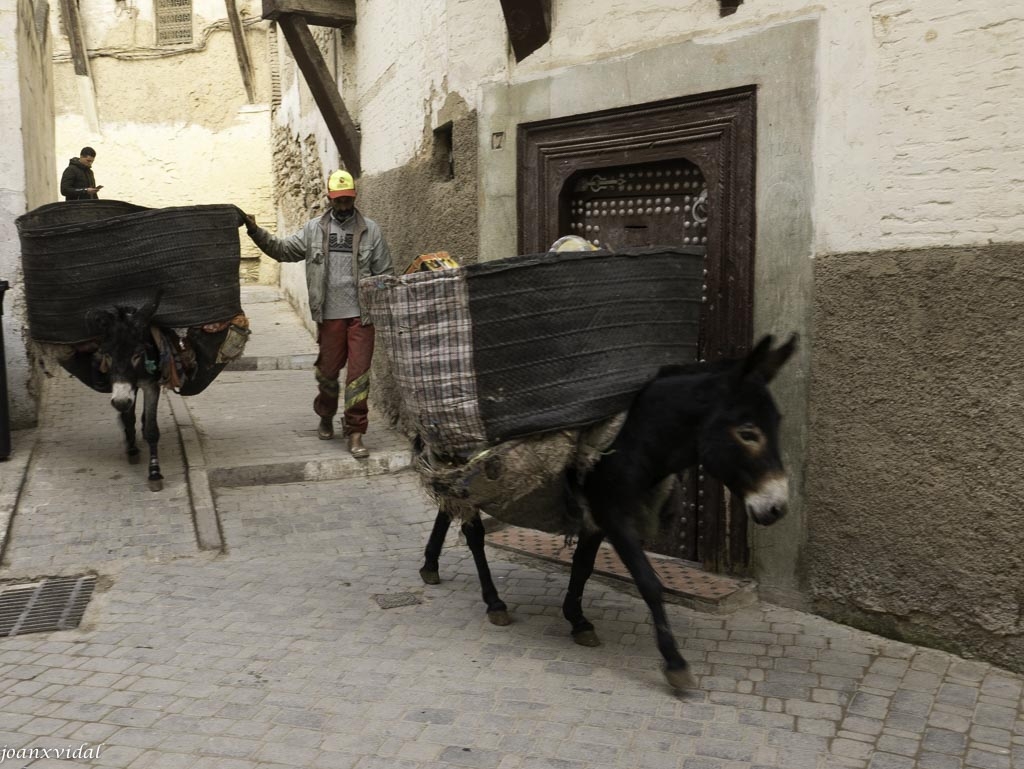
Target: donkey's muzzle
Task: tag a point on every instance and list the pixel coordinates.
(768, 503)
(122, 396)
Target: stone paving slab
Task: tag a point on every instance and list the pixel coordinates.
(276, 654)
(82, 503)
(259, 427)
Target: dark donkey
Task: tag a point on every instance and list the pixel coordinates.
(720, 415)
(129, 358)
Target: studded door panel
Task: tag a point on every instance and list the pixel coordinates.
(663, 203)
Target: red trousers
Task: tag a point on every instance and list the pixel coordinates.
(344, 343)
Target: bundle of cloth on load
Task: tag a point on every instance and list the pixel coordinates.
(513, 371)
(102, 254)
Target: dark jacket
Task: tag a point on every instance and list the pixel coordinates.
(77, 178)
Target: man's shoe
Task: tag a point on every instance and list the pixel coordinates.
(325, 430)
(356, 447)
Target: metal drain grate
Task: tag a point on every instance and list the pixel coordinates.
(394, 600)
(52, 603)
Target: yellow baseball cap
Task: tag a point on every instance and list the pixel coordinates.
(340, 184)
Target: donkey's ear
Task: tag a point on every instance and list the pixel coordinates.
(775, 359)
(752, 363)
(98, 321)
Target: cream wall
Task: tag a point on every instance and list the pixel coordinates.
(26, 133)
(175, 125)
(915, 117)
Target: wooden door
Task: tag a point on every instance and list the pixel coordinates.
(611, 172)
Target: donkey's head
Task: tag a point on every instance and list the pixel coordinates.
(123, 334)
(740, 438)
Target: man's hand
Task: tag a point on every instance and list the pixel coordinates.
(250, 223)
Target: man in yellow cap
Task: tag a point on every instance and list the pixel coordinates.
(340, 248)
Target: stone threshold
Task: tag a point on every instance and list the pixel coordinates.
(683, 582)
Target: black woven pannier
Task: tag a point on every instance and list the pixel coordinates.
(101, 253)
(525, 345)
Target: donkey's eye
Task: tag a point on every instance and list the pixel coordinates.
(749, 434)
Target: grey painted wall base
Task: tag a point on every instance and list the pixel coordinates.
(915, 514)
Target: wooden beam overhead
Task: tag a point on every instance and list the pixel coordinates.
(324, 89)
(241, 50)
(528, 25)
(321, 13)
(73, 26)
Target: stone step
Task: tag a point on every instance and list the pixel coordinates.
(325, 469)
(683, 582)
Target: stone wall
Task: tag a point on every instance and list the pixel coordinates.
(915, 514)
(299, 184)
(26, 131)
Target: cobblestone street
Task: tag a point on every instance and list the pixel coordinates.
(276, 653)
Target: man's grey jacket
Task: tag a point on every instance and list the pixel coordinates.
(310, 243)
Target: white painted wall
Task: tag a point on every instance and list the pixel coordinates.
(918, 138)
(26, 133)
(175, 126)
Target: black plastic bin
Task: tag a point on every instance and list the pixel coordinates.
(5, 414)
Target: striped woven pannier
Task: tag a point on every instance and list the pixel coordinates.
(525, 345)
(100, 253)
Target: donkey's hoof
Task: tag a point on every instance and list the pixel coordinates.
(680, 679)
(430, 577)
(586, 638)
(499, 618)
(133, 458)
(156, 484)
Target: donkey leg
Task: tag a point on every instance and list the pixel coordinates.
(128, 424)
(497, 611)
(429, 573)
(628, 547)
(151, 432)
(582, 567)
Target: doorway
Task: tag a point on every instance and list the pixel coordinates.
(676, 173)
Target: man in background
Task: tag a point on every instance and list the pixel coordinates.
(78, 181)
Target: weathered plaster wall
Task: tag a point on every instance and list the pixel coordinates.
(915, 513)
(914, 116)
(175, 125)
(26, 133)
(915, 111)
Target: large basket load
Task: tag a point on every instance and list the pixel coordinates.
(511, 370)
(88, 255)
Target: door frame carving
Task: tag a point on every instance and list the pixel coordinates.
(717, 132)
